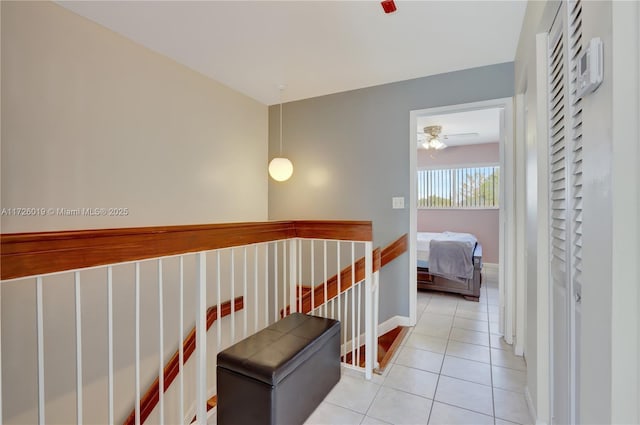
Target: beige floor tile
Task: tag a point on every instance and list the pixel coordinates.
(434, 319)
(448, 310)
(330, 414)
(471, 325)
(509, 379)
(445, 414)
(353, 393)
(470, 337)
(410, 380)
(480, 307)
(426, 342)
(398, 407)
(368, 420)
(504, 358)
(440, 330)
(511, 406)
(420, 359)
(472, 315)
(468, 351)
(465, 394)
(503, 422)
(468, 370)
(497, 341)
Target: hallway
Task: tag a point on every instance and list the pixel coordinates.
(452, 368)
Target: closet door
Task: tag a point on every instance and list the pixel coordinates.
(558, 231)
(565, 210)
(575, 206)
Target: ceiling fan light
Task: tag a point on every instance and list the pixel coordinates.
(437, 144)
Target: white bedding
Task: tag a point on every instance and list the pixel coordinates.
(425, 238)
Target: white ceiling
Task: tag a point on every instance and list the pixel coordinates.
(315, 48)
(485, 122)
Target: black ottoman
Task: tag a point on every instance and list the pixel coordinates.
(280, 374)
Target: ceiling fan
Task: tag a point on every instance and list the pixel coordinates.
(431, 139)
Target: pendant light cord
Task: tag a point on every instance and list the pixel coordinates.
(280, 123)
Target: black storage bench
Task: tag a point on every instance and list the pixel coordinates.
(280, 374)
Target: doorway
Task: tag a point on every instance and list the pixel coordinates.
(506, 219)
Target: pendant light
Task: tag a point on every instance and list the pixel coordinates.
(280, 168)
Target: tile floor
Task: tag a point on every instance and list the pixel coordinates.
(452, 368)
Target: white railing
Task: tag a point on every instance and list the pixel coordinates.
(85, 344)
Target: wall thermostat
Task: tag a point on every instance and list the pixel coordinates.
(590, 64)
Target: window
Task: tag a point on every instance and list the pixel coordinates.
(460, 187)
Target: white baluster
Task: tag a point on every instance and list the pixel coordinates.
(353, 305)
(78, 303)
(266, 284)
(312, 279)
(218, 303)
(275, 280)
(160, 343)
(181, 340)
(255, 288)
(1, 415)
(284, 278)
(244, 292)
(40, 325)
(358, 328)
(293, 287)
(339, 284)
(324, 256)
(370, 346)
(299, 289)
(137, 296)
(201, 338)
(376, 303)
(233, 294)
(110, 336)
(346, 321)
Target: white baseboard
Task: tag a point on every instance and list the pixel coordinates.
(490, 270)
(393, 323)
(490, 267)
(532, 409)
(383, 328)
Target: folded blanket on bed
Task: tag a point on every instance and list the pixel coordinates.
(452, 258)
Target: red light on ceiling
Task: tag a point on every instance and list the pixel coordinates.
(388, 5)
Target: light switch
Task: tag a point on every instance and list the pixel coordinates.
(397, 202)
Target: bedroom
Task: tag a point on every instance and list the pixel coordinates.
(458, 187)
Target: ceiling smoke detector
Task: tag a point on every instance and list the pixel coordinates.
(432, 133)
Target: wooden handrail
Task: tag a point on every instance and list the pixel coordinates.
(381, 257)
(151, 397)
(28, 254)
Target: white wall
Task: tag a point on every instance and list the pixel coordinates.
(91, 119)
(608, 390)
(526, 82)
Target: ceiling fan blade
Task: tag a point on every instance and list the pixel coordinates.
(460, 135)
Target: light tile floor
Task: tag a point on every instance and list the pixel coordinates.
(452, 368)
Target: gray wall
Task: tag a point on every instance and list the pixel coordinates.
(350, 153)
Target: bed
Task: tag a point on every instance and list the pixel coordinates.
(450, 262)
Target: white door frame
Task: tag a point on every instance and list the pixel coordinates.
(507, 219)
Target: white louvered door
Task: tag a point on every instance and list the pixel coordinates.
(575, 171)
(565, 214)
(558, 236)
